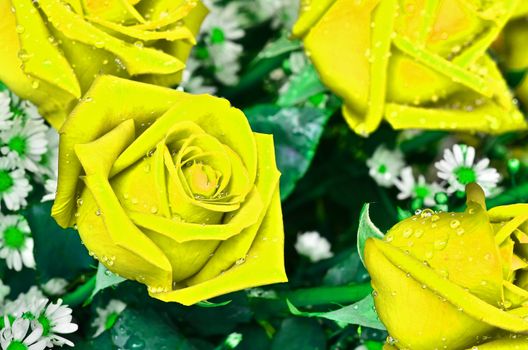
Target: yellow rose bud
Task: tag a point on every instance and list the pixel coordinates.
(418, 64)
(454, 280)
(51, 50)
(172, 190)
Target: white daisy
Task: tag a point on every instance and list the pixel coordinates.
(15, 336)
(55, 286)
(107, 317)
(25, 143)
(384, 165)
(30, 111)
(458, 168)
(5, 111)
(16, 243)
(410, 188)
(54, 319)
(51, 190)
(312, 245)
(221, 29)
(23, 302)
(14, 186)
(282, 13)
(191, 82)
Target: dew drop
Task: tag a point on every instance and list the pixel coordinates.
(407, 232)
(440, 244)
(454, 223)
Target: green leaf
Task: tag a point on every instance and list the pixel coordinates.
(296, 133)
(301, 87)
(146, 330)
(278, 47)
(58, 252)
(2, 86)
(104, 341)
(104, 279)
(299, 334)
(366, 230)
(207, 304)
(361, 313)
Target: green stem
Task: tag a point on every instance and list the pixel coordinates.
(81, 294)
(329, 295)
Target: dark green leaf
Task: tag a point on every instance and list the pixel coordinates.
(296, 133)
(58, 252)
(206, 320)
(361, 313)
(366, 230)
(301, 87)
(254, 338)
(299, 334)
(146, 330)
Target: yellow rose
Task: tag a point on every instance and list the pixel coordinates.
(51, 50)
(511, 47)
(172, 190)
(454, 280)
(416, 63)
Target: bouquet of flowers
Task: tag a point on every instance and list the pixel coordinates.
(266, 174)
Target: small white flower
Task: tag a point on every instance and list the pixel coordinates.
(23, 302)
(5, 111)
(55, 286)
(54, 319)
(262, 293)
(50, 166)
(312, 245)
(233, 340)
(16, 243)
(458, 168)
(220, 29)
(410, 188)
(15, 336)
(14, 186)
(282, 13)
(384, 165)
(107, 317)
(51, 190)
(30, 111)
(191, 82)
(25, 143)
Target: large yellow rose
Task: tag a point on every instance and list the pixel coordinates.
(51, 50)
(454, 280)
(511, 47)
(416, 63)
(172, 190)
